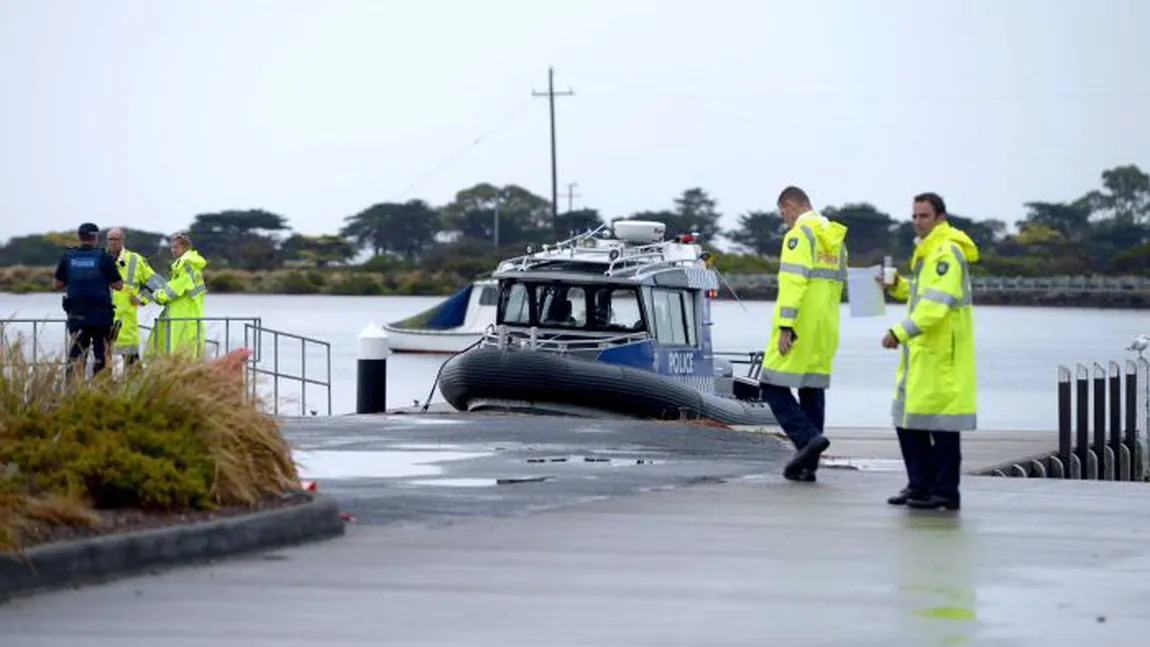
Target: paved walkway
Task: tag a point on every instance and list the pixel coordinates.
(755, 562)
(513, 530)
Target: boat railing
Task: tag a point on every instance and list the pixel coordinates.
(534, 339)
(570, 243)
(753, 360)
(647, 268)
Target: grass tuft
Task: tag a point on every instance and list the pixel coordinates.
(173, 435)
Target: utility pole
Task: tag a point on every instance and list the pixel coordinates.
(551, 94)
(571, 195)
(496, 221)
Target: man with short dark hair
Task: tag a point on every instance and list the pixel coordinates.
(804, 329)
(935, 393)
(87, 272)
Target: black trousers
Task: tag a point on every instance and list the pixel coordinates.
(933, 462)
(801, 420)
(88, 336)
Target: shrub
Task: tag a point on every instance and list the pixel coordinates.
(224, 282)
(175, 434)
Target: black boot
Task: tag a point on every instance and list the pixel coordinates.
(807, 458)
(934, 503)
(904, 495)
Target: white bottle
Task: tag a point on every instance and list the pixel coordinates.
(888, 271)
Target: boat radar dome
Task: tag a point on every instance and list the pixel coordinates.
(639, 232)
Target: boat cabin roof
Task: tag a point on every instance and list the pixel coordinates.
(628, 252)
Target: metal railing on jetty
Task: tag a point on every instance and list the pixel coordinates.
(268, 358)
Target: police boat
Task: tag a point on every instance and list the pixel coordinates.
(612, 322)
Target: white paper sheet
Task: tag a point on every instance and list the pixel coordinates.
(863, 292)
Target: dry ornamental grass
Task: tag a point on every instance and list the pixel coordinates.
(175, 436)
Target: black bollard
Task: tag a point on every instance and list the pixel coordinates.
(1065, 416)
(371, 370)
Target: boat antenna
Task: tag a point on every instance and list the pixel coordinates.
(733, 293)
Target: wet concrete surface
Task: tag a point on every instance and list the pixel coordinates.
(753, 561)
(428, 470)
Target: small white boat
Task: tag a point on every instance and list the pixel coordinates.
(451, 326)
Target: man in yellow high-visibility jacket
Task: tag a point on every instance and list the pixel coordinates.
(140, 281)
(804, 329)
(180, 326)
(935, 393)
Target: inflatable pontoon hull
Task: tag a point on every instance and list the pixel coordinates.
(488, 374)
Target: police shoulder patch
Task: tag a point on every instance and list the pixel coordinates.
(792, 243)
(941, 268)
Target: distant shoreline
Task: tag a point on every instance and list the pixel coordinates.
(351, 281)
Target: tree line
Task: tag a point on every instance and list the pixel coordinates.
(1105, 231)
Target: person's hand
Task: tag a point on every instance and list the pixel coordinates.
(786, 339)
(135, 300)
(889, 340)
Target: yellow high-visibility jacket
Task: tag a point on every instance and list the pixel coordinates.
(139, 281)
(935, 383)
(812, 271)
(180, 327)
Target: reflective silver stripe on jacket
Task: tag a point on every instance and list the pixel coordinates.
(794, 380)
(931, 421)
(133, 260)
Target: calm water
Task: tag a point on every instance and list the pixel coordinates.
(1018, 350)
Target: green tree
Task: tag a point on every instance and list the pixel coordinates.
(244, 239)
(319, 251)
(523, 216)
(1125, 196)
(759, 232)
(403, 228)
(868, 230)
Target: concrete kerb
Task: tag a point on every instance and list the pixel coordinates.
(108, 557)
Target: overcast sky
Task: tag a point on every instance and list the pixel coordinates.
(147, 112)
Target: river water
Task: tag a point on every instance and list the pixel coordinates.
(1018, 349)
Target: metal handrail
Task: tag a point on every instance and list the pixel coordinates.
(256, 331)
(227, 321)
(253, 330)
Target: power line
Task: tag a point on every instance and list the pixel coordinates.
(502, 122)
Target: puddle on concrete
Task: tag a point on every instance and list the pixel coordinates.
(432, 447)
(864, 464)
(480, 482)
(594, 460)
(460, 482)
(426, 420)
(322, 464)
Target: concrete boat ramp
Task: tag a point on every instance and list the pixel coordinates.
(517, 530)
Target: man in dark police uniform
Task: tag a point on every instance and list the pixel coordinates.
(88, 272)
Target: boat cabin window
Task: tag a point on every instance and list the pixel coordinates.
(673, 313)
(561, 306)
(489, 296)
(617, 309)
(516, 308)
(577, 307)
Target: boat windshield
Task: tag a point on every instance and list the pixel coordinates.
(603, 308)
